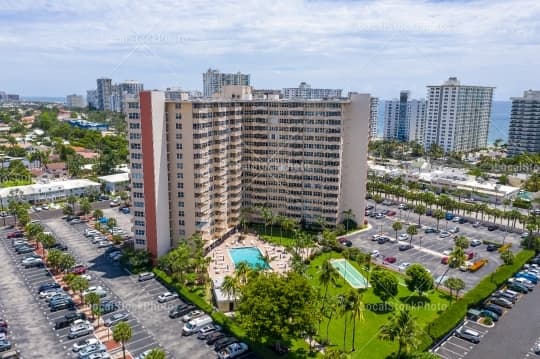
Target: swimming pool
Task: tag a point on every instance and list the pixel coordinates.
(350, 273)
(251, 255)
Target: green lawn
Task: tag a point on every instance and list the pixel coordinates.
(273, 234)
(367, 344)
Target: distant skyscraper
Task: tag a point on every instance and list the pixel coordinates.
(524, 132)
(104, 93)
(3, 96)
(457, 116)
(92, 98)
(404, 119)
(305, 92)
(213, 81)
(13, 97)
(373, 117)
(75, 101)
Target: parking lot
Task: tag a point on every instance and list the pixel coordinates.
(140, 299)
(428, 248)
(29, 323)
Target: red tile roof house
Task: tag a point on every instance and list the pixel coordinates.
(57, 169)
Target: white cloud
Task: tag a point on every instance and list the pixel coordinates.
(383, 43)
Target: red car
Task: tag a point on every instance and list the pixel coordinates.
(444, 260)
(3, 323)
(391, 213)
(470, 255)
(79, 269)
(16, 234)
(389, 260)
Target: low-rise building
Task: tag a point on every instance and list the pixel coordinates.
(48, 192)
(115, 183)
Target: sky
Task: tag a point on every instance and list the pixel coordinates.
(54, 48)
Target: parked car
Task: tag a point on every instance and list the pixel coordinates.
(468, 334)
(489, 314)
(206, 330)
(192, 315)
(104, 244)
(453, 230)
(224, 342)
(476, 224)
(491, 248)
(99, 290)
(456, 219)
(518, 288)
(494, 308)
(449, 216)
(166, 297)
(405, 247)
(78, 269)
(108, 306)
(502, 301)
(145, 276)
(430, 230)
(68, 319)
(492, 227)
(66, 304)
(390, 213)
(403, 266)
(462, 220)
(403, 237)
(83, 343)
(389, 260)
(379, 216)
(4, 345)
(180, 310)
(529, 276)
(16, 234)
(80, 330)
(46, 286)
(116, 318)
(32, 262)
(476, 243)
(214, 337)
(92, 349)
(383, 239)
(444, 234)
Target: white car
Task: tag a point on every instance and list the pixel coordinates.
(447, 251)
(403, 237)
(144, 354)
(92, 349)
(404, 265)
(91, 232)
(445, 234)
(50, 292)
(375, 253)
(167, 297)
(99, 290)
(192, 315)
(524, 234)
(86, 276)
(456, 219)
(83, 343)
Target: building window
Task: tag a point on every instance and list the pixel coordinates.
(137, 185)
(136, 165)
(180, 194)
(139, 214)
(139, 223)
(139, 232)
(140, 242)
(139, 204)
(133, 115)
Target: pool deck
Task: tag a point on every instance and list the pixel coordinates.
(221, 263)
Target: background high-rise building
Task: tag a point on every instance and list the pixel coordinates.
(404, 119)
(92, 99)
(196, 163)
(75, 101)
(524, 131)
(213, 81)
(457, 116)
(3, 96)
(373, 118)
(305, 92)
(104, 93)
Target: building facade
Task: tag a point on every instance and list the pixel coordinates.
(524, 130)
(92, 99)
(213, 81)
(75, 101)
(373, 117)
(104, 93)
(305, 92)
(405, 119)
(458, 116)
(196, 163)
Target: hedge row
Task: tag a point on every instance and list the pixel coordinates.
(455, 313)
(218, 317)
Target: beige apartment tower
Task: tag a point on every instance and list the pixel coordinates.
(196, 163)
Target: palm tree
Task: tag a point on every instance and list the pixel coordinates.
(97, 214)
(438, 214)
(155, 353)
(348, 216)
(412, 231)
(404, 329)
(33, 230)
(85, 206)
(330, 307)
(241, 272)
(47, 240)
(79, 284)
(267, 216)
(344, 309)
(455, 260)
(230, 287)
(122, 333)
(420, 209)
(327, 275)
(72, 200)
(397, 226)
(357, 311)
(93, 300)
(53, 259)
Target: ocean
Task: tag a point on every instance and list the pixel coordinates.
(498, 128)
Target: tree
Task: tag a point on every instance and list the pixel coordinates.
(327, 275)
(329, 309)
(455, 259)
(275, 306)
(266, 214)
(454, 284)
(111, 222)
(72, 201)
(404, 329)
(385, 284)
(47, 240)
(67, 210)
(397, 226)
(231, 287)
(33, 230)
(508, 257)
(348, 219)
(66, 261)
(74, 164)
(54, 257)
(418, 279)
(93, 300)
(85, 206)
(79, 285)
(420, 209)
(155, 353)
(463, 242)
(97, 214)
(412, 231)
(121, 334)
(334, 353)
(356, 305)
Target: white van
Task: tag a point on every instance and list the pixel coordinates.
(193, 326)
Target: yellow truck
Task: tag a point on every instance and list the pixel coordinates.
(477, 264)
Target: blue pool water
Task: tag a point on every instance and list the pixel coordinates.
(251, 255)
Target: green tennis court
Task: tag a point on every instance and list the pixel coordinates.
(351, 274)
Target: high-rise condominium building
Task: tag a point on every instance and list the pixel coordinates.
(404, 119)
(91, 98)
(373, 118)
(75, 101)
(524, 132)
(196, 163)
(457, 116)
(305, 92)
(213, 81)
(104, 93)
